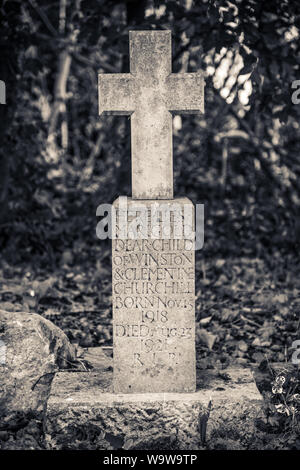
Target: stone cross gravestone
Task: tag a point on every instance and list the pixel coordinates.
(152, 277)
(153, 292)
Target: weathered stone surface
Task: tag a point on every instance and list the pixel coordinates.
(82, 412)
(148, 93)
(154, 306)
(32, 349)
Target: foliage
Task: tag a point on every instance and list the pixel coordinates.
(282, 400)
(241, 159)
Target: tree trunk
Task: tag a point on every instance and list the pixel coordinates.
(59, 108)
(10, 51)
(135, 13)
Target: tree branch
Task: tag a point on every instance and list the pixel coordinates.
(44, 18)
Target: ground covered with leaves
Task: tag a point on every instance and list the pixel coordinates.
(246, 308)
(247, 294)
(247, 312)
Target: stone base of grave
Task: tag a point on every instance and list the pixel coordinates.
(84, 413)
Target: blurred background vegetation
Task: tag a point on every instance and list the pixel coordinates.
(59, 160)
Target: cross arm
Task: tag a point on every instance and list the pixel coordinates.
(116, 94)
(185, 93)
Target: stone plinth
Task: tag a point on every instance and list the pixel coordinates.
(83, 413)
(154, 299)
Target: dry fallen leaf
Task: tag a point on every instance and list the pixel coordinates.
(205, 321)
(206, 338)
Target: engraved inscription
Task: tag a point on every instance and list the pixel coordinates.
(153, 316)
